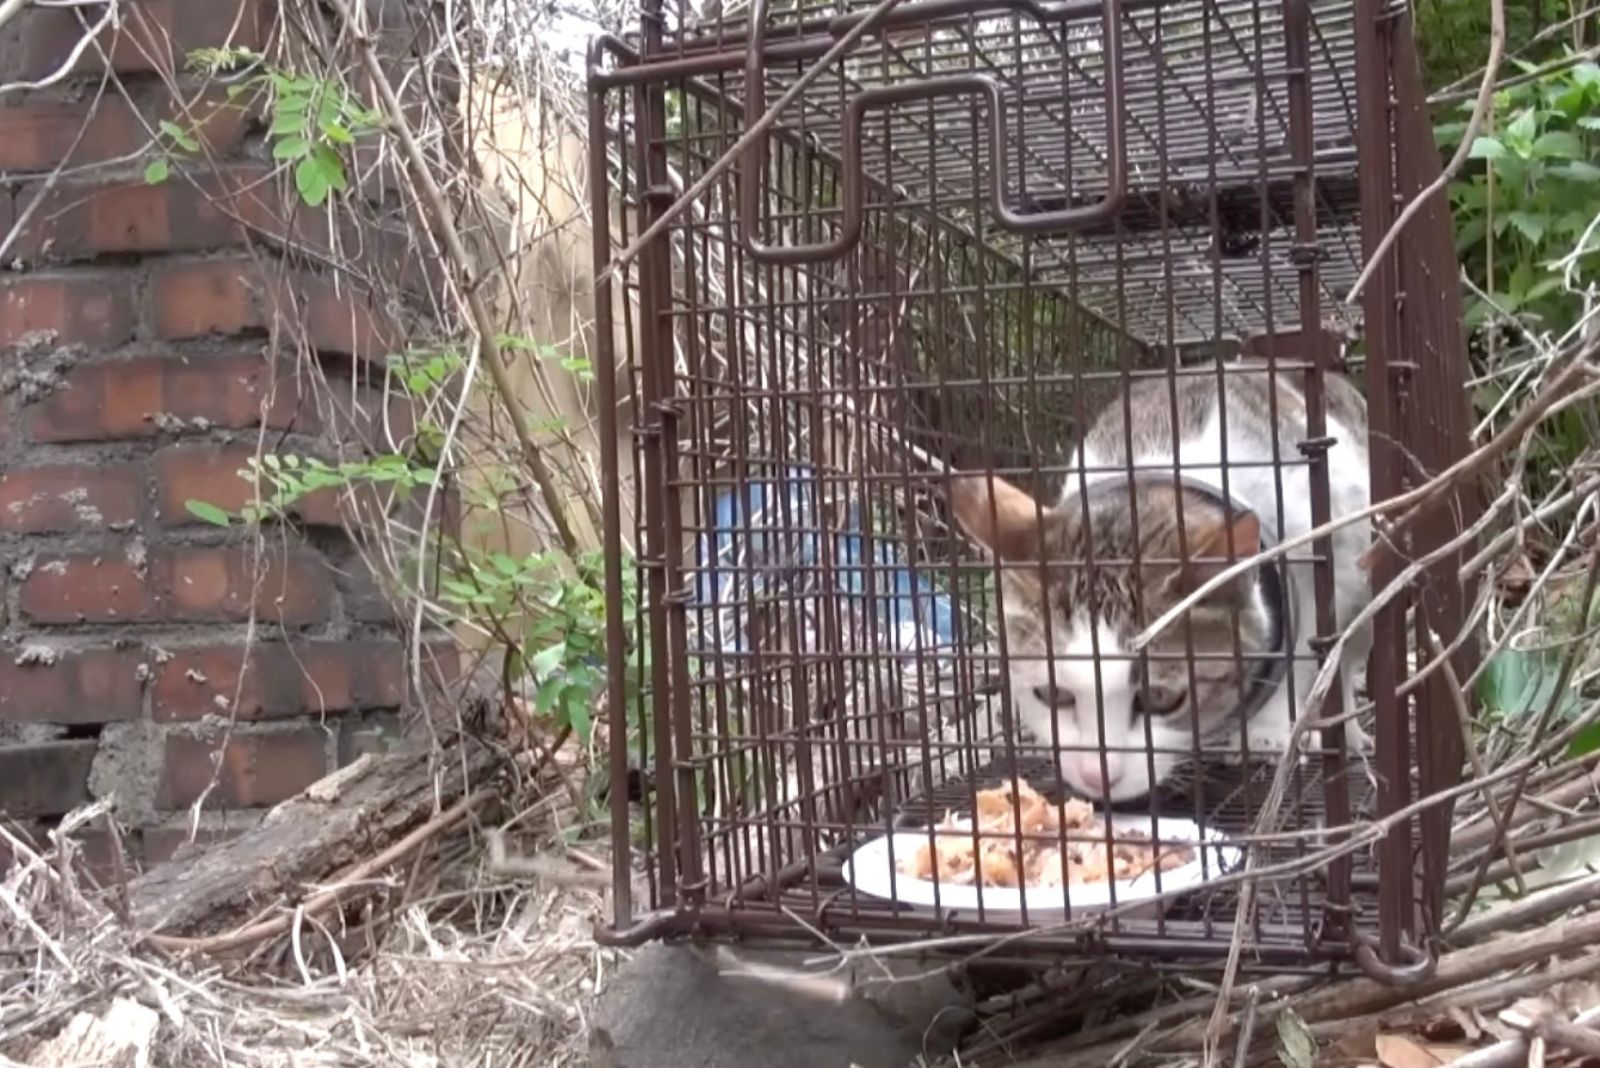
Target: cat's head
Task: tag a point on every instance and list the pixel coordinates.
(1068, 627)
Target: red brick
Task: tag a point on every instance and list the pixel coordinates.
(92, 686)
(211, 474)
(201, 585)
(155, 35)
(377, 734)
(38, 136)
(84, 219)
(256, 769)
(123, 399)
(45, 779)
(86, 589)
(340, 320)
(62, 498)
(198, 585)
(280, 680)
(78, 309)
(208, 297)
(162, 844)
(97, 853)
(229, 296)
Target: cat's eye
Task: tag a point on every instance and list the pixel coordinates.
(1054, 696)
(1158, 700)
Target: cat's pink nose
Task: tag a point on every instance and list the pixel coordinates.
(1088, 765)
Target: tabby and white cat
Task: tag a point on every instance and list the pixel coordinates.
(1149, 730)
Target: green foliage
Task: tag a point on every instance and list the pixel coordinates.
(1297, 1046)
(1545, 191)
(314, 121)
(1453, 37)
(579, 367)
(548, 610)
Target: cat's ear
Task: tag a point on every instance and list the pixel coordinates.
(1211, 531)
(1006, 522)
(1206, 534)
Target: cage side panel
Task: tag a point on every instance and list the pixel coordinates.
(1435, 340)
(607, 372)
(1376, 138)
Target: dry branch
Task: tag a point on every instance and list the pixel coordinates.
(302, 842)
(1356, 998)
(488, 337)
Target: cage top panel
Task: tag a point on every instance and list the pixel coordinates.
(1204, 240)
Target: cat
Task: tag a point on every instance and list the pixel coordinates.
(1093, 616)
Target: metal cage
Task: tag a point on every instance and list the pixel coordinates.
(970, 222)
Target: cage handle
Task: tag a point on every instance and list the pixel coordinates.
(1044, 222)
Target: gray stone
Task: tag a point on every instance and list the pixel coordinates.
(673, 1006)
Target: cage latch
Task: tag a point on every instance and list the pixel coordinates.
(1311, 448)
(1418, 967)
(1306, 254)
(692, 894)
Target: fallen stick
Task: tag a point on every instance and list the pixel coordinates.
(1533, 907)
(1362, 996)
(1513, 1052)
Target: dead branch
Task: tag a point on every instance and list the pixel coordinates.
(1365, 997)
(438, 207)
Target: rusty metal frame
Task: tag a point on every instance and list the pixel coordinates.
(1411, 315)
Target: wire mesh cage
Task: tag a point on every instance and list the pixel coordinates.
(914, 304)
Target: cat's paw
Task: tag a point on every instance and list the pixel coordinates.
(1356, 740)
(1273, 739)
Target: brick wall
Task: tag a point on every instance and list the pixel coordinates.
(142, 356)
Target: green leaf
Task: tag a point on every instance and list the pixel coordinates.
(1530, 225)
(1521, 131)
(338, 134)
(579, 366)
(311, 181)
(179, 135)
(1589, 122)
(208, 513)
(1541, 288)
(332, 166)
(1518, 683)
(1579, 171)
(1585, 741)
(576, 706)
(544, 700)
(291, 148)
(1558, 144)
(1297, 1048)
(287, 122)
(548, 659)
(1487, 148)
(1586, 74)
(157, 171)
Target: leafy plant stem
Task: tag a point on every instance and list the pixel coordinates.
(1541, 727)
(433, 196)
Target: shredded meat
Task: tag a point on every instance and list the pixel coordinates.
(996, 862)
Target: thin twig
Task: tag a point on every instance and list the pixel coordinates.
(1480, 110)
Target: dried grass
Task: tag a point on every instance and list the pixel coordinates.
(472, 968)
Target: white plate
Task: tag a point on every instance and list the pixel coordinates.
(870, 872)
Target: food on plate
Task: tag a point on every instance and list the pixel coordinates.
(1002, 814)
